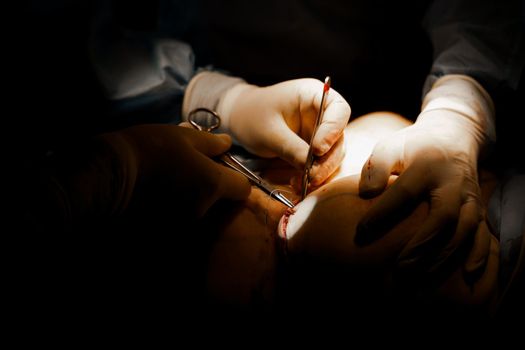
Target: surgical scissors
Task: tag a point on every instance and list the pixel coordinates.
(213, 121)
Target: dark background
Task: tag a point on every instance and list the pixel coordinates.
(57, 96)
(268, 46)
(56, 99)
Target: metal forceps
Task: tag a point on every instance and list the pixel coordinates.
(310, 156)
(213, 121)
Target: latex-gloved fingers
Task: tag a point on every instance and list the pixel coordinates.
(322, 168)
(396, 203)
(385, 159)
(468, 222)
(287, 144)
(437, 229)
(233, 185)
(478, 257)
(207, 143)
(268, 210)
(215, 181)
(296, 182)
(326, 165)
(229, 183)
(335, 118)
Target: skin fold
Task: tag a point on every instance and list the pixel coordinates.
(246, 257)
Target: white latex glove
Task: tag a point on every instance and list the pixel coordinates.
(437, 159)
(278, 120)
(175, 162)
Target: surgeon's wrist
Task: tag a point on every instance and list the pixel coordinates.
(90, 183)
(228, 105)
(452, 130)
(467, 100)
(205, 90)
(124, 160)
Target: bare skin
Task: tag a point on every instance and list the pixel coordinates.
(244, 258)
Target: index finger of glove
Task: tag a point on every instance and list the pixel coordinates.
(335, 119)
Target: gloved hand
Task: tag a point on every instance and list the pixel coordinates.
(436, 158)
(164, 169)
(278, 120)
(174, 164)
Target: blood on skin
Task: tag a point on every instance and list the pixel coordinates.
(287, 213)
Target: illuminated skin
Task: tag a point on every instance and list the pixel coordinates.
(244, 258)
(334, 239)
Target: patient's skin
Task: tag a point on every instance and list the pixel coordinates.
(334, 240)
(243, 262)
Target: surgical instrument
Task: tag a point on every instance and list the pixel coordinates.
(310, 156)
(213, 121)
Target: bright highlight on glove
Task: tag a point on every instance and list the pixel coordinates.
(437, 161)
(278, 120)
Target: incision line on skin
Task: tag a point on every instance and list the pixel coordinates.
(292, 221)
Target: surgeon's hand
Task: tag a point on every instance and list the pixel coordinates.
(174, 167)
(437, 161)
(278, 120)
